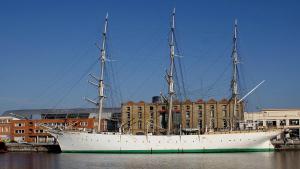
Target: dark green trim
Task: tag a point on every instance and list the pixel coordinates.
(232, 150)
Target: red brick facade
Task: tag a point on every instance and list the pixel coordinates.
(33, 131)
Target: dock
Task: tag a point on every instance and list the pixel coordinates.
(286, 144)
(26, 147)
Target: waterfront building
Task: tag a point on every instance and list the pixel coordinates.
(5, 128)
(62, 113)
(272, 118)
(31, 125)
(187, 116)
(35, 131)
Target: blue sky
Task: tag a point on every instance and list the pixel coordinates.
(48, 47)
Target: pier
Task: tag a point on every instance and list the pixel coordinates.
(25, 147)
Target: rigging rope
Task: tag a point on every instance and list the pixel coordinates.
(60, 75)
(177, 85)
(217, 80)
(74, 84)
(180, 68)
(115, 78)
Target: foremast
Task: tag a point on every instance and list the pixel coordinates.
(170, 79)
(234, 81)
(101, 79)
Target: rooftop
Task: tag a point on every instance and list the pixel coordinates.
(61, 113)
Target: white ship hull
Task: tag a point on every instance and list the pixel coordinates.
(119, 143)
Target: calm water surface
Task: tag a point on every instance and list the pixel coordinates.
(265, 160)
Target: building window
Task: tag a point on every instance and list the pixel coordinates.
(151, 115)
(151, 124)
(212, 107)
(200, 114)
(128, 124)
(224, 113)
(200, 107)
(187, 124)
(19, 131)
(128, 108)
(294, 122)
(151, 107)
(188, 107)
(282, 123)
(163, 107)
(187, 115)
(212, 123)
(140, 124)
(224, 107)
(200, 123)
(19, 124)
(140, 115)
(128, 115)
(225, 123)
(140, 108)
(212, 113)
(83, 123)
(271, 123)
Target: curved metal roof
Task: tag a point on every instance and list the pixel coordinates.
(29, 113)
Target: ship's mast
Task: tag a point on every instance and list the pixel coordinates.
(234, 84)
(170, 80)
(102, 66)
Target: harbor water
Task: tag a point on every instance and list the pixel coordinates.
(262, 160)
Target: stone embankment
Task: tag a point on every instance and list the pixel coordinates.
(25, 147)
(286, 144)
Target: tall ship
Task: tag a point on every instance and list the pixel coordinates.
(170, 142)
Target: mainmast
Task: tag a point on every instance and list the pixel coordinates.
(102, 66)
(234, 84)
(170, 80)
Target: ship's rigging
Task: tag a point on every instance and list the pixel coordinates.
(234, 81)
(169, 76)
(106, 78)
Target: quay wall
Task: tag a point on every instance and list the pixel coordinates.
(22, 147)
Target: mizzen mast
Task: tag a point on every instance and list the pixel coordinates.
(170, 79)
(102, 66)
(234, 81)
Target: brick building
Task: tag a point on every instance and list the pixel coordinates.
(34, 131)
(187, 116)
(33, 124)
(5, 128)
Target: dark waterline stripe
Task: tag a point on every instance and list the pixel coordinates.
(232, 150)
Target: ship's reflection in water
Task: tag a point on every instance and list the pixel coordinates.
(264, 160)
